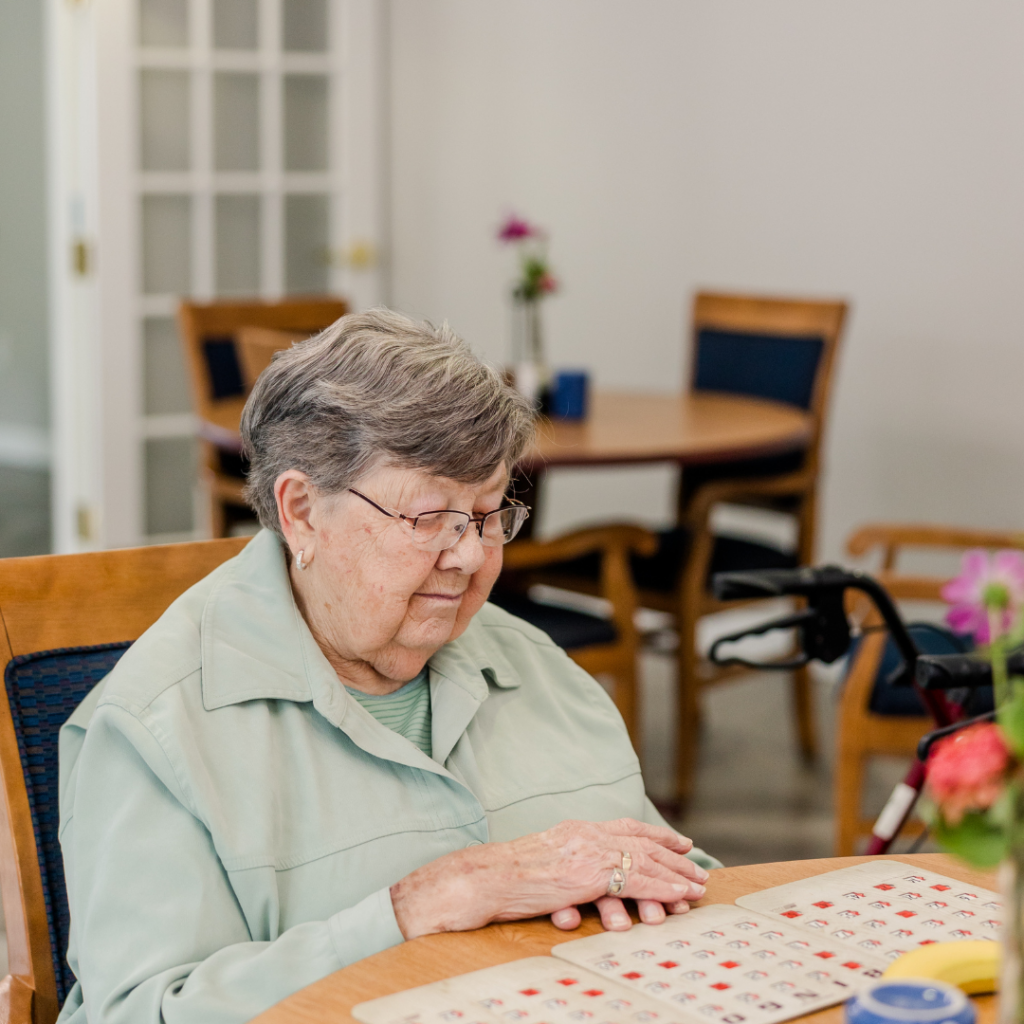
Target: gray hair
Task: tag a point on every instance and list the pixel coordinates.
(378, 388)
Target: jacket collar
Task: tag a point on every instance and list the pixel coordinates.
(256, 645)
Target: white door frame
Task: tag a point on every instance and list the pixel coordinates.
(99, 427)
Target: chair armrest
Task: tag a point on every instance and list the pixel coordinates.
(720, 491)
(894, 535)
(535, 554)
(615, 543)
(15, 1001)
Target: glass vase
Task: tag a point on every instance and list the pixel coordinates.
(528, 358)
(1011, 979)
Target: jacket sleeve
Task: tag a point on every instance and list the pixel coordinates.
(157, 934)
(652, 816)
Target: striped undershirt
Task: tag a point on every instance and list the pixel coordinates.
(406, 711)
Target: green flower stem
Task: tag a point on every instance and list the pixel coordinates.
(997, 655)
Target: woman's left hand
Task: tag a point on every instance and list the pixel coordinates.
(614, 915)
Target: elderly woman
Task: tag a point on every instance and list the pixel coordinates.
(333, 743)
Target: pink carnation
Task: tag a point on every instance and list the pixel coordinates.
(986, 587)
(966, 771)
(515, 229)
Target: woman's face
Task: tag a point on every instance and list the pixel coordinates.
(371, 595)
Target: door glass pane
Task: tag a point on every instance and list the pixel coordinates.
(163, 22)
(236, 121)
(171, 469)
(305, 122)
(165, 386)
(304, 25)
(237, 231)
(163, 113)
(166, 245)
(306, 242)
(235, 24)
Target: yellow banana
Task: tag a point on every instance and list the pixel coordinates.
(972, 965)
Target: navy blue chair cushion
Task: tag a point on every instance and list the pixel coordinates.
(569, 629)
(660, 571)
(903, 700)
(223, 367)
(760, 365)
(43, 689)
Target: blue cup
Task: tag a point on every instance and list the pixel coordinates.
(569, 394)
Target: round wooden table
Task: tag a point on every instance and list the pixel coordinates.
(626, 427)
(434, 957)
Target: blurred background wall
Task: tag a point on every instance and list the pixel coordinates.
(867, 150)
(24, 408)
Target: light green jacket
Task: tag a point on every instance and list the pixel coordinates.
(232, 820)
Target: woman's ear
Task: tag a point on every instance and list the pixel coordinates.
(294, 493)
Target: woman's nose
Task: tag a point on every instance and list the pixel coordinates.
(467, 553)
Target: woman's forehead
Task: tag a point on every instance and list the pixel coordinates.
(418, 484)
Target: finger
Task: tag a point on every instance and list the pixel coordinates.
(650, 911)
(645, 887)
(677, 862)
(613, 914)
(666, 837)
(644, 864)
(566, 919)
(677, 908)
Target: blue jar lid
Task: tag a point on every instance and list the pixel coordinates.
(910, 1001)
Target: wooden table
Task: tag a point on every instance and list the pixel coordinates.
(630, 426)
(434, 957)
(626, 427)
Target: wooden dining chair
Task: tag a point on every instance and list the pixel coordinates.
(219, 382)
(65, 620)
(783, 350)
(877, 720)
(600, 644)
(257, 347)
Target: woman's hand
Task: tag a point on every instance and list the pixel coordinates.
(549, 872)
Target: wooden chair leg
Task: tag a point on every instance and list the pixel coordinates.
(626, 696)
(803, 712)
(688, 710)
(849, 783)
(218, 517)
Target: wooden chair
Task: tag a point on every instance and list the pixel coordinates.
(256, 348)
(99, 601)
(778, 349)
(218, 379)
(862, 733)
(598, 645)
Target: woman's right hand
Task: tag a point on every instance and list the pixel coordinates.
(545, 872)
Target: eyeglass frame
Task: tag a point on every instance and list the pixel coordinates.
(393, 513)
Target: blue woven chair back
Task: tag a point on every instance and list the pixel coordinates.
(772, 366)
(42, 690)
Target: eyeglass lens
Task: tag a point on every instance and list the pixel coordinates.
(440, 530)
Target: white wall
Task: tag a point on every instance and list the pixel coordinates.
(23, 280)
(866, 149)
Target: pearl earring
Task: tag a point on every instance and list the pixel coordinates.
(299, 563)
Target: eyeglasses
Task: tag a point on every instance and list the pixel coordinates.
(438, 531)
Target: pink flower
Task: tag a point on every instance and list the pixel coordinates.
(986, 588)
(515, 229)
(548, 283)
(966, 771)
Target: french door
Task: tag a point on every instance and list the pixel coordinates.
(200, 148)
